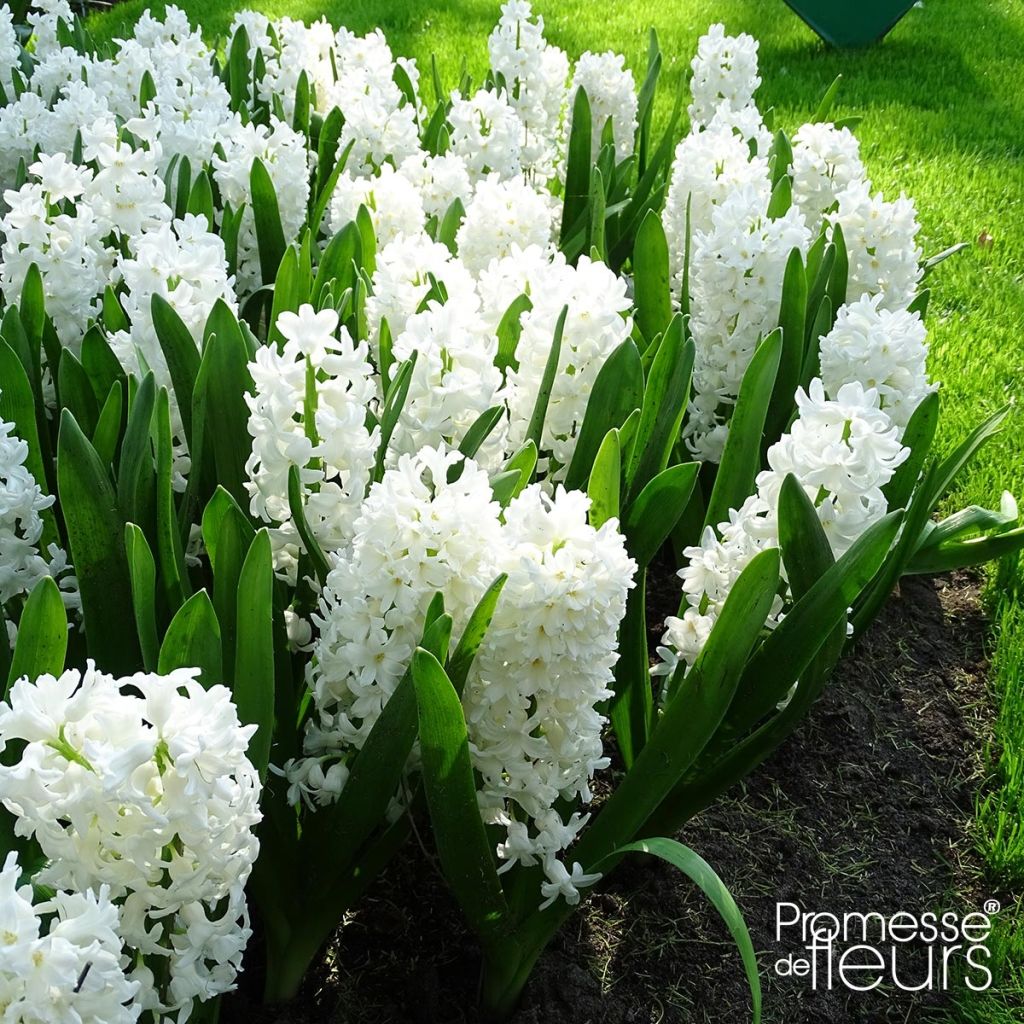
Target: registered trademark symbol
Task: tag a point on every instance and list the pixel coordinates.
(992, 907)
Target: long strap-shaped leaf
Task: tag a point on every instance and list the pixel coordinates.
(704, 876)
(807, 556)
(219, 414)
(651, 278)
(193, 641)
(462, 844)
(578, 165)
(182, 355)
(692, 714)
(618, 390)
(42, 635)
(668, 386)
(96, 536)
(142, 572)
(741, 459)
(788, 650)
(473, 635)
(269, 233)
(535, 428)
(254, 654)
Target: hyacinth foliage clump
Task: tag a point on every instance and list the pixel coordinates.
(343, 415)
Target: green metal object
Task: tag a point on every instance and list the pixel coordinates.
(847, 23)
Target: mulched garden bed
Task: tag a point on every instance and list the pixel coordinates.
(866, 808)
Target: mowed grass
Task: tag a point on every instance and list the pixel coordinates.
(943, 105)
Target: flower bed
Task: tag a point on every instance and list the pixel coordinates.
(348, 424)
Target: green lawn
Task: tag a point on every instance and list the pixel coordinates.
(943, 106)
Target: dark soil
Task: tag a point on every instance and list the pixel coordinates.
(866, 808)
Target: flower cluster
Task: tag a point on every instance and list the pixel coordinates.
(842, 451)
(308, 411)
(735, 293)
(881, 348)
(720, 216)
(611, 92)
(139, 791)
(61, 960)
(543, 670)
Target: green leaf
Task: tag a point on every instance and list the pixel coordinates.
(42, 635)
(806, 552)
(824, 110)
(95, 531)
(596, 215)
(933, 261)
(33, 307)
(650, 519)
(327, 150)
(450, 224)
(780, 157)
(653, 298)
(107, 435)
(691, 715)
(394, 402)
(918, 437)
(228, 536)
(193, 641)
(950, 555)
(462, 845)
(309, 542)
(473, 635)
(480, 430)
(645, 98)
(578, 165)
(522, 463)
(100, 363)
(253, 689)
(142, 572)
(267, 214)
(820, 326)
(631, 708)
(792, 323)
(287, 297)
(338, 263)
(603, 488)
(818, 273)
(368, 238)
(200, 199)
(136, 481)
(509, 330)
(75, 392)
(181, 353)
(703, 875)
(949, 469)
(300, 118)
(618, 390)
(787, 651)
(741, 459)
(535, 428)
(220, 416)
(781, 199)
(837, 279)
(170, 555)
(661, 415)
(239, 69)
